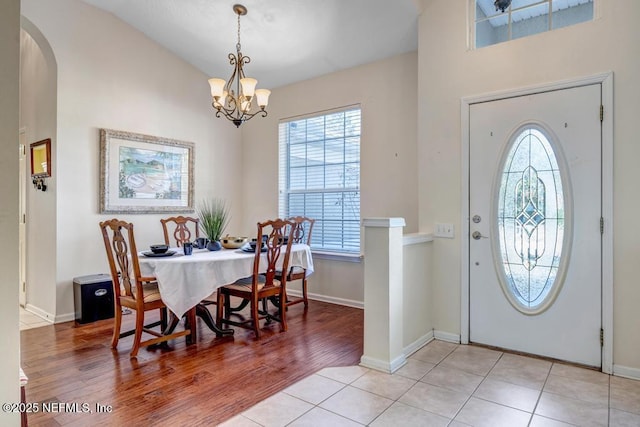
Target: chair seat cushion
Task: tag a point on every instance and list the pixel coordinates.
(245, 283)
(150, 292)
(293, 271)
(297, 270)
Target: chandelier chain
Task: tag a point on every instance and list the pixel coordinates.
(238, 44)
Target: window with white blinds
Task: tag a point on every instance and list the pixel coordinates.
(320, 176)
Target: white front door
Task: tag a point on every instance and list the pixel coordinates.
(535, 233)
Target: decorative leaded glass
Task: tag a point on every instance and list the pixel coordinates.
(531, 220)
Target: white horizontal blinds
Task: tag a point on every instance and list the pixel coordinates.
(320, 176)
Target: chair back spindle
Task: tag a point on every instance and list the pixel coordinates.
(122, 255)
(302, 228)
(275, 243)
(186, 229)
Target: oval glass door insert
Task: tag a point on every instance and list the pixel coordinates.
(532, 222)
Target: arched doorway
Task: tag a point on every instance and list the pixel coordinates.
(38, 120)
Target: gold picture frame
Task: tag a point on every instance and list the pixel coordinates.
(145, 174)
(41, 158)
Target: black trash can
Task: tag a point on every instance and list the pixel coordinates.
(93, 297)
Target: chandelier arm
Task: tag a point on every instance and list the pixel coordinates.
(248, 116)
(228, 112)
(243, 117)
(239, 73)
(233, 60)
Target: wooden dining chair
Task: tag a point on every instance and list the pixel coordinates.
(301, 234)
(133, 291)
(185, 229)
(183, 234)
(259, 286)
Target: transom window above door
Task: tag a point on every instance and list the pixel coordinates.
(522, 18)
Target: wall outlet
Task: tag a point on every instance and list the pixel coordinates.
(444, 230)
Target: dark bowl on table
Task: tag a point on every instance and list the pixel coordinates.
(253, 242)
(159, 249)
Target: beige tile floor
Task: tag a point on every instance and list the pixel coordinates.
(29, 320)
(445, 384)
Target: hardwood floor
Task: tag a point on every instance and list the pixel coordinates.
(201, 384)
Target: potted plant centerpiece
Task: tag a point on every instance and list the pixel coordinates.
(214, 218)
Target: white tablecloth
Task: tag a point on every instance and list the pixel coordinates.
(184, 281)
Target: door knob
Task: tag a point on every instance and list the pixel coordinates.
(478, 235)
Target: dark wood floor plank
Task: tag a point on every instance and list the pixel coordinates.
(201, 384)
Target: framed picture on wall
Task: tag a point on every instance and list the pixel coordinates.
(41, 159)
(145, 174)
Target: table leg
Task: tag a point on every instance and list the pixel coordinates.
(171, 326)
(203, 313)
(191, 324)
(173, 322)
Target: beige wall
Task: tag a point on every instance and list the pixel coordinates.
(386, 92)
(448, 71)
(9, 107)
(417, 302)
(112, 76)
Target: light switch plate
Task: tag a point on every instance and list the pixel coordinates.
(444, 230)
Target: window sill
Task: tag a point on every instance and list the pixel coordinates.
(336, 256)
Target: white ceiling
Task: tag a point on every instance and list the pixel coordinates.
(287, 40)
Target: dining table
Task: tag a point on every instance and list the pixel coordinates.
(184, 281)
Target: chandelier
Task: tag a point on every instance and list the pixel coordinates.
(502, 5)
(235, 98)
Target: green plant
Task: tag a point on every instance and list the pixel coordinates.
(214, 218)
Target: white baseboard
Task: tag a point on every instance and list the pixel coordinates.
(324, 298)
(65, 317)
(418, 344)
(381, 365)
(40, 313)
(48, 316)
(626, 372)
(446, 336)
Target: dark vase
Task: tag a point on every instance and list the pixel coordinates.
(214, 245)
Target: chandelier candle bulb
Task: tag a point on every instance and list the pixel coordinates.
(248, 86)
(263, 97)
(217, 87)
